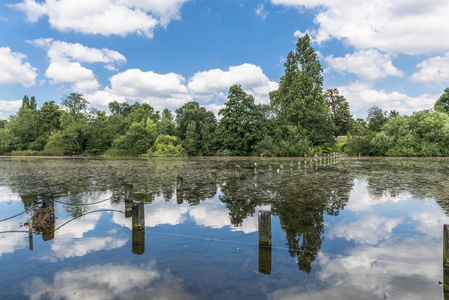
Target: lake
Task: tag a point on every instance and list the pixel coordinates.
(358, 228)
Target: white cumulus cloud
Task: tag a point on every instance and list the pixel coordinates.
(367, 64)
(435, 69)
(409, 26)
(362, 96)
(65, 63)
(170, 91)
(13, 70)
(249, 76)
(105, 17)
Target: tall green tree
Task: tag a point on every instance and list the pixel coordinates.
(205, 123)
(167, 124)
(240, 127)
(442, 103)
(48, 118)
(299, 100)
(376, 118)
(140, 113)
(75, 104)
(339, 108)
(122, 109)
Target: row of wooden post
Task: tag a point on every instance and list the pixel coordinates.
(331, 158)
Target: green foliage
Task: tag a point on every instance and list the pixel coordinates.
(442, 103)
(48, 119)
(137, 138)
(360, 144)
(75, 104)
(19, 132)
(288, 143)
(359, 127)
(200, 141)
(376, 118)
(299, 100)
(26, 153)
(113, 152)
(123, 109)
(166, 125)
(422, 134)
(192, 143)
(140, 113)
(166, 145)
(62, 143)
(241, 125)
(339, 108)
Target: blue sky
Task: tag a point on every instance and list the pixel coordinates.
(169, 52)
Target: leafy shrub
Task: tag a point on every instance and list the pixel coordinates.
(167, 145)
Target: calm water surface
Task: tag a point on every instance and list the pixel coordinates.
(356, 229)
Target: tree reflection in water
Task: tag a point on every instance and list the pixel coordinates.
(300, 198)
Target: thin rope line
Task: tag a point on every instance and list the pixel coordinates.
(13, 216)
(90, 212)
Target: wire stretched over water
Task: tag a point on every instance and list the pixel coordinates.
(90, 212)
(13, 216)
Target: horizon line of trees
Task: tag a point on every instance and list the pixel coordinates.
(301, 118)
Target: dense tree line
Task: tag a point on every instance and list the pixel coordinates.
(301, 118)
(424, 133)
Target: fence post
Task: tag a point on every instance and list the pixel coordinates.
(47, 200)
(446, 246)
(138, 215)
(265, 227)
(265, 242)
(30, 234)
(129, 193)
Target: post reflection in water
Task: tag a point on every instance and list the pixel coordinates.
(138, 241)
(265, 259)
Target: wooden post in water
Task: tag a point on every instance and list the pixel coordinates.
(129, 193)
(179, 182)
(47, 200)
(30, 234)
(49, 234)
(270, 166)
(212, 176)
(129, 198)
(264, 227)
(265, 259)
(265, 242)
(138, 229)
(138, 215)
(138, 241)
(255, 168)
(446, 261)
(446, 246)
(128, 209)
(237, 171)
